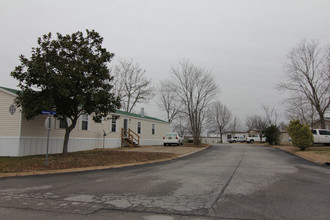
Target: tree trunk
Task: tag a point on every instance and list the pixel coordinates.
(196, 140)
(67, 136)
(196, 134)
(322, 121)
(66, 141)
(260, 137)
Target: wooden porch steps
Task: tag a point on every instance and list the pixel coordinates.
(129, 138)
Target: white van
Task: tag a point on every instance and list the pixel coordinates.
(172, 138)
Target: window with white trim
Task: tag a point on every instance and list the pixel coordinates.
(153, 129)
(84, 122)
(62, 123)
(99, 120)
(113, 125)
(139, 127)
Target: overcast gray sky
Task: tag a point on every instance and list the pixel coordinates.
(243, 42)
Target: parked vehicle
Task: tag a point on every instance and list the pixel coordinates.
(237, 139)
(172, 138)
(255, 139)
(321, 136)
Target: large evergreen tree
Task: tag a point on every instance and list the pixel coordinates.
(68, 75)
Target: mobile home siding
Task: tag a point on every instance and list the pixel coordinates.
(36, 128)
(19, 137)
(34, 133)
(9, 124)
(37, 145)
(147, 138)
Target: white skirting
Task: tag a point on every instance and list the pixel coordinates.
(151, 142)
(32, 146)
(9, 146)
(15, 146)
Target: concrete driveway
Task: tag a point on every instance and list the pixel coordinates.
(223, 182)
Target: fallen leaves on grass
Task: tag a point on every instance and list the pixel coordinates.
(319, 155)
(98, 157)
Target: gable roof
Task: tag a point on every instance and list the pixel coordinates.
(139, 116)
(12, 91)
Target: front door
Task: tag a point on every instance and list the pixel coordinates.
(125, 124)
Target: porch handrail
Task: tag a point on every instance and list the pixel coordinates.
(130, 136)
(136, 137)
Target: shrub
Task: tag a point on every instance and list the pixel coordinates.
(272, 135)
(301, 135)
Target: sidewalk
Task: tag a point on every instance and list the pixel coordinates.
(179, 151)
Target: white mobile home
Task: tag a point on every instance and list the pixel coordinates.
(19, 137)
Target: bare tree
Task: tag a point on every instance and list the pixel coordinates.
(218, 118)
(181, 125)
(235, 125)
(168, 101)
(131, 85)
(195, 89)
(257, 123)
(272, 116)
(308, 75)
(250, 122)
(282, 126)
(261, 125)
(298, 107)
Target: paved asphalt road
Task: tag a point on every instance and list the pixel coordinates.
(240, 181)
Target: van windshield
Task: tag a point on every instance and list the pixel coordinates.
(170, 135)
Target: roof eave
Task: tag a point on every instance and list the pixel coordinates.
(7, 91)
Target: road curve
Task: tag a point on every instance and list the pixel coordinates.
(223, 182)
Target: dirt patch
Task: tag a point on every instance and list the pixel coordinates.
(318, 154)
(92, 159)
(177, 150)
